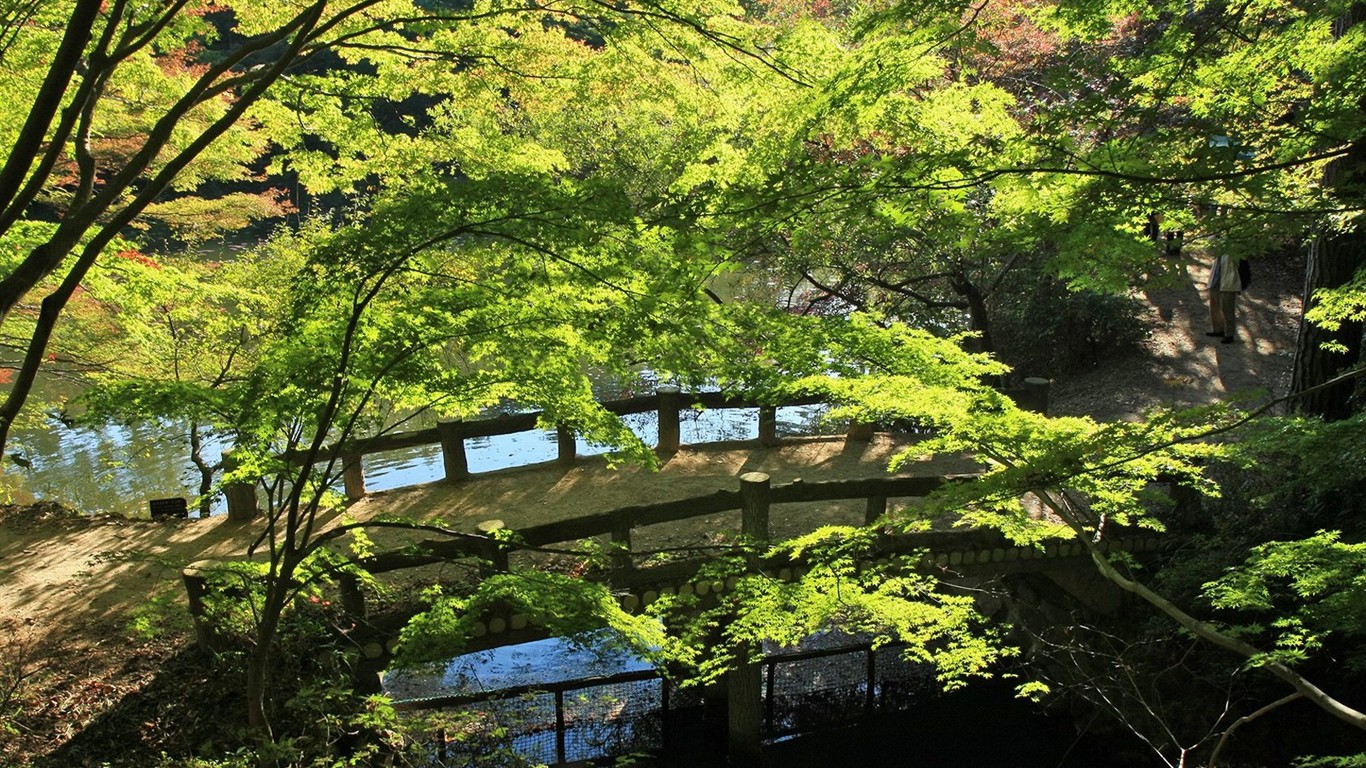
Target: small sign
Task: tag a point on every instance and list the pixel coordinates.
(164, 508)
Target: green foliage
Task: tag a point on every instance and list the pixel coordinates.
(1042, 328)
(834, 588)
(1033, 690)
(1308, 589)
(1305, 464)
(161, 616)
(1331, 307)
(1345, 761)
(567, 607)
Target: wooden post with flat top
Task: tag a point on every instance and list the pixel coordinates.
(353, 476)
(768, 426)
(456, 464)
(670, 432)
(744, 691)
(241, 496)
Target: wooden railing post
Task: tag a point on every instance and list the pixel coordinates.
(621, 550)
(352, 598)
(877, 507)
(195, 589)
(745, 712)
(568, 446)
(241, 496)
(768, 426)
(744, 689)
(196, 579)
(453, 457)
(754, 490)
(1035, 394)
(669, 431)
(353, 476)
(495, 553)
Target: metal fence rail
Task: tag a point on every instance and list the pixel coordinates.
(613, 715)
(810, 690)
(557, 722)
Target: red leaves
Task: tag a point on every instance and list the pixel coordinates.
(138, 257)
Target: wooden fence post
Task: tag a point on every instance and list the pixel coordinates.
(745, 712)
(495, 554)
(1035, 394)
(196, 588)
(768, 426)
(877, 507)
(568, 446)
(744, 688)
(669, 431)
(352, 598)
(621, 550)
(453, 457)
(754, 491)
(241, 496)
(353, 476)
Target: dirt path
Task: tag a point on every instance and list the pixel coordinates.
(1180, 366)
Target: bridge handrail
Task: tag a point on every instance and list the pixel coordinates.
(619, 522)
(451, 435)
(509, 424)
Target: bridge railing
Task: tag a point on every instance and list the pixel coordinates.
(956, 549)
(593, 718)
(451, 436)
(667, 403)
(754, 499)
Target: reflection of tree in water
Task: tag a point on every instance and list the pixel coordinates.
(713, 425)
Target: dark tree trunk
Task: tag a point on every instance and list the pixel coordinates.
(977, 313)
(1332, 262)
(206, 471)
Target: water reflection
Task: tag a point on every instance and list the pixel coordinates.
(117, 469)
(423, 464)
(105, 470)
(540, 662)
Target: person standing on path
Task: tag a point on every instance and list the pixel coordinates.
(1225, 283)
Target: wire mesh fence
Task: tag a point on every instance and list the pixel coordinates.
(832, 683)
(825, 683)
(546, 724)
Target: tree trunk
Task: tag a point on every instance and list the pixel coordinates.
(260, 658)
(1331, 263)
(978, 319)
(1333, 260)
(28, 144)
(206, 472)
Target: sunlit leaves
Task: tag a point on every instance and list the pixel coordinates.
(566, 607)
(1311, 588)
(937, 627)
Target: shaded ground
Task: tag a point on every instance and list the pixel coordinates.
(70, 586)
(1179, 366)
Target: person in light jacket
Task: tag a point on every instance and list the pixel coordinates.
(1224, 286)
